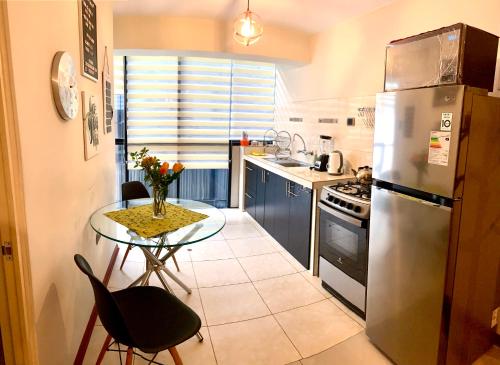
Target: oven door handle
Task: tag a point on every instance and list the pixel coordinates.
(336, 213)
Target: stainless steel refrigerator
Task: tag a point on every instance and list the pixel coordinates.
(422, 163)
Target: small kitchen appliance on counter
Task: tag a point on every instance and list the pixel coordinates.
(343, 242)
(335, 163)
(325, 147)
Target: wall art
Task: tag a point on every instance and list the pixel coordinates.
(90, 125)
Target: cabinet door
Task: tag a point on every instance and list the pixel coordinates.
(260, 195)
(281, 205)
(299, 224)
(269, 201)
(250, 204)
(250, 178)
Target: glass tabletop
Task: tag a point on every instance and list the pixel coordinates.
(192, 233)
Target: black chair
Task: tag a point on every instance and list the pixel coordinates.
(136, 190)
(147, 318)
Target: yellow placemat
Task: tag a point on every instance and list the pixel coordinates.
(140, 219)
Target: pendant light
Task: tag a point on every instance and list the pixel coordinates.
(247, 27)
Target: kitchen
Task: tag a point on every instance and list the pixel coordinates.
(348, 158)
(337, 249)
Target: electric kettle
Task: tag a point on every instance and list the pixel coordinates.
(335, 163)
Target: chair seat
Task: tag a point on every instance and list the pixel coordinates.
(156, 319)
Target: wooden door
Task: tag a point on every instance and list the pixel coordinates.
(16, 301)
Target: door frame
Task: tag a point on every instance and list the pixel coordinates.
(16, 292)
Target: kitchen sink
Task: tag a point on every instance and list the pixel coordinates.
(287, 162)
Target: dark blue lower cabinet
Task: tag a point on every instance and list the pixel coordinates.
(270, 202)
(282, 207)
(287, 215)
(260, 195)
(251, 172)
(299, 224)
(281, 202)
(250, 188)
(250, 204)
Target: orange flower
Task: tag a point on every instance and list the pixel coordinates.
(164, 168)
(178, 167)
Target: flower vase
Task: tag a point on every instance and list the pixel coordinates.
(158, 203)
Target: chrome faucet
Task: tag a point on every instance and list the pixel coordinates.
(304, 150)
(265, 134)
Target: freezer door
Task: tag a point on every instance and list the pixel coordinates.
(410, 145)
(408, 249)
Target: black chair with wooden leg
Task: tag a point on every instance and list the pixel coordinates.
(147, 318)
(136, 190)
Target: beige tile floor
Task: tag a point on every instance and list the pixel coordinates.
(257, 304)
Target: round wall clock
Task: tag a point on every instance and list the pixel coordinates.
(64, 85)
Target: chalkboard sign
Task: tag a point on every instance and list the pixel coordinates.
(88, 38)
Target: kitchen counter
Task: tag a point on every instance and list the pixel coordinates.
(302, 175)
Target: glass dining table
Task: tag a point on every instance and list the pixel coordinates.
(159, 249)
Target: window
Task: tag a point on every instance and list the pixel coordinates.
(188, 108)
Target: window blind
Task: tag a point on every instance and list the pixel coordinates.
(187, 108)
(118, 75)
(252, 98)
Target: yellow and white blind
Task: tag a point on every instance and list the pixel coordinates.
(252, 98)
(187, 108)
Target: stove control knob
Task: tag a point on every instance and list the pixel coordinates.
(357, 209)
(350, 206)
(336, 201)
(329, 198)
(342, 203)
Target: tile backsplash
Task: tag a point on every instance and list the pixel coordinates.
(329, 117)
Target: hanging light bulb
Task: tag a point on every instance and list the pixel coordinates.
(247, 27)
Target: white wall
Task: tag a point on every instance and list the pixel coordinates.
(208, 35)
(347, 67)
(348, 60)
(355, 142)
(61, 188)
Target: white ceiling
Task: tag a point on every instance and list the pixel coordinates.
(307, 15)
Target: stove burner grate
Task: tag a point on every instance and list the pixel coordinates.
(353, 189)
(348, 189)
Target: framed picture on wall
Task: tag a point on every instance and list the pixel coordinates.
(87, 18)
(90, 125)
(107, 95)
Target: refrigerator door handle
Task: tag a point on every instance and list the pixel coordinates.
(425, 202)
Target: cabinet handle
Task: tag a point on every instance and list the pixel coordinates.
(289, 190)
(249, 169)
(248, 196)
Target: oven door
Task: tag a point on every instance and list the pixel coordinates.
(343, 241)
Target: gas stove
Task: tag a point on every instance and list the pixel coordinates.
(350, 197)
